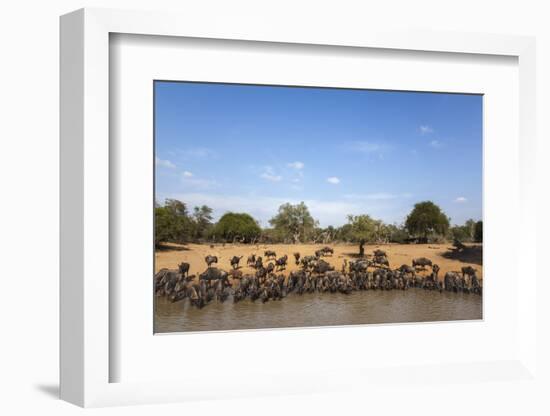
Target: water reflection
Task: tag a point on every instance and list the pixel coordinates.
(362, 307)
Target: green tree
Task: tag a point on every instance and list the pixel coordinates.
(478, 233)
(460, 233)
(397, 233)
(464, 232)
(236, 226)
(364, 229)
(344, 233)
(326, 235)
(178, 208)
(202, 217)
(172, 223)
(470, 228)
(426, 219)
(164, 225)
(294, 222)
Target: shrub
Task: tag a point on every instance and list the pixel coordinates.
(236, 226)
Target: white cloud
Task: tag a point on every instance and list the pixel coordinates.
(164, 163)
(271, 178)
(366, 147)
(461, 199)
(426, 129)
(296, 165)
(436, 143)
(190, 181)
(333, 180)
(269, 175)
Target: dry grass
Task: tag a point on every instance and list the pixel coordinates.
(173, 254)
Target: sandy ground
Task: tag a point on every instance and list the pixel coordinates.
(172, 254)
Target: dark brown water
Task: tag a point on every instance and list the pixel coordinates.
(365, 307)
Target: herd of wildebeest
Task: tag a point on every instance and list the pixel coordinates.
(314, 275)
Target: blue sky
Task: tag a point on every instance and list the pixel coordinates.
(248, 148)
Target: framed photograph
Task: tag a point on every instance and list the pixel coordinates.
(274, 193)
(298, 195)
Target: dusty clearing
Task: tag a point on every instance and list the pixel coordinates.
(172, 254)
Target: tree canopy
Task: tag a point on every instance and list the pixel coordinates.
(464, 232)
(176, 207)
(202, 217)
(478, 232)
(172, 223)
(293, 222)
(426, 219)
(364, 228)
(236, 226)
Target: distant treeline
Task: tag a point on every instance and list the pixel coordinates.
(294, 224)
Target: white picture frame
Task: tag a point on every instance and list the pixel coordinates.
(86, 329)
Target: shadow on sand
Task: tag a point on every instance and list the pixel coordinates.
(472, 254)
(355, 255)
(170, 247)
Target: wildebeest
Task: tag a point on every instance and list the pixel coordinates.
(381, 261)
(270, 267)
(328, 250)
(325, 251)
(181, 290)
(212, 273)
(281, 262)
(307, 261)
(269, 254)
(316, 275)
(235, 274)
(261, 273)
(476, 285)
(421, 262)
(196, 294)
(184, 268)
(468, 271)
(221, 289)
(235, 261)
(407, 270)
(322, 267)
(359, 265)
(451, 281)
(210, 260)
(160, 279)
(169, 282)
(241, 291)
(296, 280)
(251, 260)
(259, 263)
